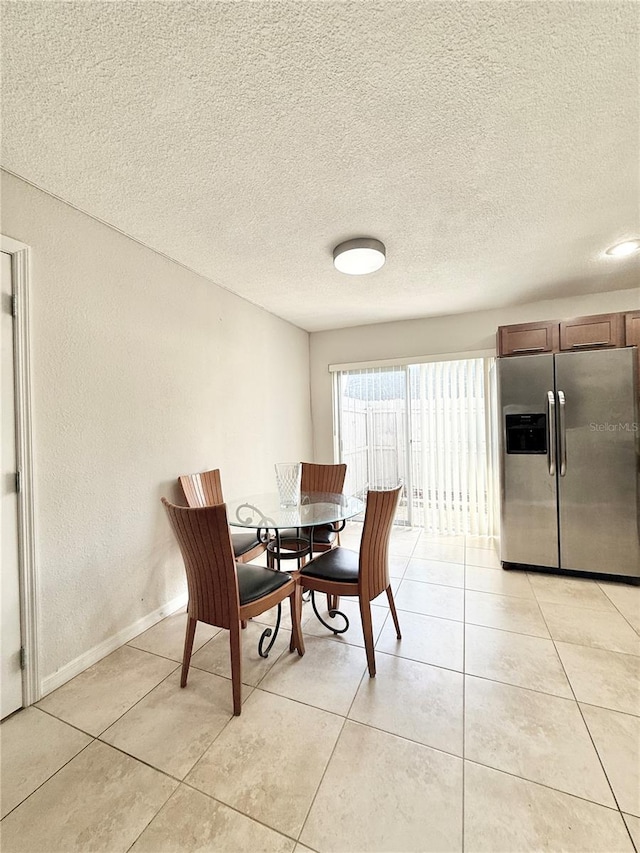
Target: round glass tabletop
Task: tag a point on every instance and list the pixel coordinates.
(314, 508)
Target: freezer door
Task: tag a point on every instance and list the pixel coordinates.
(529, 522)
(598, 465)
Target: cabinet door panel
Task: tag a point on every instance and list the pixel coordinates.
(527, 338)
(632, 329)
(600, 330)
(632, 338)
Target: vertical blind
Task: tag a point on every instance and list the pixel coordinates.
(430, 426)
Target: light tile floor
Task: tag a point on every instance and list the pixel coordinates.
(507, 719)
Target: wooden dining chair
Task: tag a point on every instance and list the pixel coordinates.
(318, 479)
(323, 478)
(364, 574)
(223, 592)
(205, 489)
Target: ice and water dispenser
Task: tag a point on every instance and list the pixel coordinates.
(526, 434)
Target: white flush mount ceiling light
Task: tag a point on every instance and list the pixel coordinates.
(360, 256)
(621, 250)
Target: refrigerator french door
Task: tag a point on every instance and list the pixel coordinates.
(570, 463)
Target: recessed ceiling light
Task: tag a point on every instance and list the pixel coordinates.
(621, 250)
(360, 256)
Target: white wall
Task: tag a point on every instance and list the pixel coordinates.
(142, 371)
(430, 336)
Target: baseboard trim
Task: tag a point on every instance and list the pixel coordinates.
(84, 661)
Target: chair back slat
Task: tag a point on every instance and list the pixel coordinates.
(205, 544)
(203, 489)
(322, 478)
(374, 547)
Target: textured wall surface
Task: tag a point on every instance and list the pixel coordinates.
(142, 371)
(493, 146)
(432, 336)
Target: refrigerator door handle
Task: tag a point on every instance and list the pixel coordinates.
(562, 438)
(551, 433)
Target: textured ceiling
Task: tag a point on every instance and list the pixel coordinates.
(492, 146)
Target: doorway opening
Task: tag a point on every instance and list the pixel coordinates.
(20, 679)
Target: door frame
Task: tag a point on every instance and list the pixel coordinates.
(27, 562)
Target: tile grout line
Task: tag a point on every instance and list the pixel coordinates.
(139, 760)
(516, 686)
(541, 784)
(585, 580)
(150, 821)
(232, 716)
(130, 643)
(138, 701)
(119, 717)
(399, 737)
(49, 778)
(224, 805)
(614, 809)
(60, 720)
(617, 806)
(431, 746)
(98, 737)
(604, 592)
(324, 773)
(584, 722)
(297, 701)
(198, 790)
(346, 717)
(422, 743)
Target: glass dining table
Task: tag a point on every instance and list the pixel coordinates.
(283, 524)
(288, 530)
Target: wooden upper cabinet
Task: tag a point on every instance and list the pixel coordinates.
(599, 330)
(528, 338)
(632, 338)
(632, 329)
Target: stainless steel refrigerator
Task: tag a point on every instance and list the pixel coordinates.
(570, 461)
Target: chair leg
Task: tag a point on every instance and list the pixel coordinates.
(333, 602)
(392, 608)
(244, 624)
(297, 640)
(236, 666)
(188, 647)
(367, 630)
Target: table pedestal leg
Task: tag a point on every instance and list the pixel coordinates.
(332, 613)
(264, 653)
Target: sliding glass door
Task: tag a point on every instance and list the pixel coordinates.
(371, 420)
(428, 426)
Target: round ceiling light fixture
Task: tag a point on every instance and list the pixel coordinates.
(621, 250)
(360, 256)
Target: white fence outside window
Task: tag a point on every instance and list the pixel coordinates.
(429, 426)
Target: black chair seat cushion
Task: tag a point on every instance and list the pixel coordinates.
(339, 564)
(323, 534)
(243, 542)
(255, 581)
